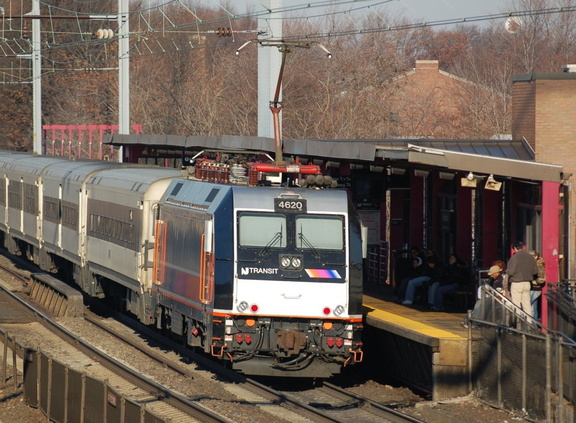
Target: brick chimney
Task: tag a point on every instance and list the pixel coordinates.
(427, 65)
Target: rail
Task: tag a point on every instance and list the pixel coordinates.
(43, 375)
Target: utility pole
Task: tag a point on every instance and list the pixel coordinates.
(284, 48)
(123, 70)
(36, 80)
(269, 63)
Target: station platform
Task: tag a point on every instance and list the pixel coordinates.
(427, 350)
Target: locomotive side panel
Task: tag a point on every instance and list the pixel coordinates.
(180, 261)
(356, 261)
(194, 253)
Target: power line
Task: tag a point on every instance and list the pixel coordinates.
(170, 25)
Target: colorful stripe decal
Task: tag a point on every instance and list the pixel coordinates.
(323, 273)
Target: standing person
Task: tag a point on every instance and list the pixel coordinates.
(537, 284)
(521, 270)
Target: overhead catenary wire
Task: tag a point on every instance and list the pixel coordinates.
(198, 26)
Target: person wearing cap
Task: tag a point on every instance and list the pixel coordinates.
(522, 270)
(496, 281)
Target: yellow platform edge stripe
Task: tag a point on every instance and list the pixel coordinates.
(410, 324)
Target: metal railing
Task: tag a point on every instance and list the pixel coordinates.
(561, 299)
(518, 364)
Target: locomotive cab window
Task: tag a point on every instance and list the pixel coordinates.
(320, 232)
(262, 230)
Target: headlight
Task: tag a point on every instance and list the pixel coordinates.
(296, 262)
(339, 310)
(290, 262)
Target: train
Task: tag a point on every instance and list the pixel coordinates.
(252, 263)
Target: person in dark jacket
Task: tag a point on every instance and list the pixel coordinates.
(455, 276)
(417, 269)
(537, 284)
(433, 272)
(521, 271)
(496, 281)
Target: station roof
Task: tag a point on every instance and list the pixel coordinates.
(508, 158)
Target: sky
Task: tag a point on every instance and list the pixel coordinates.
(419, 10)
(434, 10)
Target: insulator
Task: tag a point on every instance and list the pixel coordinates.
(103, 34)
(319, 179)
(224, 32)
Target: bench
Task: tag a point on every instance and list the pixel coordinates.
(462, 299)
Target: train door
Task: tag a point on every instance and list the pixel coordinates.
(206, 285)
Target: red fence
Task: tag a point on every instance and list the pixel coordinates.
(81, 141)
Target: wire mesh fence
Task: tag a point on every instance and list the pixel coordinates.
(519, 365)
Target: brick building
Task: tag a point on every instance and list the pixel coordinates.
(544, 113)
(431, 103)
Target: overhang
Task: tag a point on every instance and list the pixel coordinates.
(508, 158)
(518, 169)
(333, 149)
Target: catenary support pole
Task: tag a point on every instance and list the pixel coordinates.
(36, 81)
(124, 70)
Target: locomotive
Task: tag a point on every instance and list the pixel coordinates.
(266, 278)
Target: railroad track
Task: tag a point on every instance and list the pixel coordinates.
(346, 405)
(156, 392)
(337, 405)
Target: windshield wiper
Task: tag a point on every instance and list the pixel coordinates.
(277, 237)
(308, 244)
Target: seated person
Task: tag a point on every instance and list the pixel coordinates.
(455, 276)
(433, 272)
(497, 281)
(415, 271)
